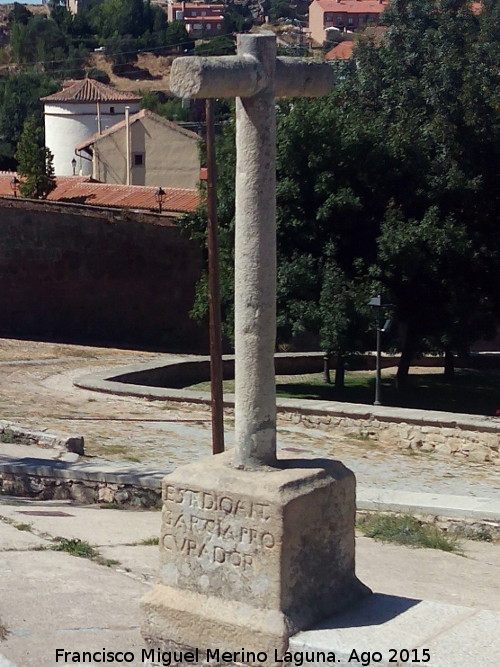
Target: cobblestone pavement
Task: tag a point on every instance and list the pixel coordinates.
(36, 390)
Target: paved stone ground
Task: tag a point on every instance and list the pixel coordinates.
(36, 390)
(51, 599)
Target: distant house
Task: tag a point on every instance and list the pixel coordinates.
(333, 15)
(342, 51)
(160, 152)
(198, 17)
(75, 6)
(75, 113)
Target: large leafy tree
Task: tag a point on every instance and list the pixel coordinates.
(34, 162)
(19, 98)
(428, 88)
(392, 182)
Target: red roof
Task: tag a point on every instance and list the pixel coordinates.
(177, 6)
(89, 90)
(353, 6)
(84, 190)
(342, 51)
(144, 113)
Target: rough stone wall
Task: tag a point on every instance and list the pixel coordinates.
(69, 272)
(475, 444)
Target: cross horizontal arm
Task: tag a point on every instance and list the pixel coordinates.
(216, 76)
(302, 77)
(243, 76)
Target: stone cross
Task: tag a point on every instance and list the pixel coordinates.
(255, 77)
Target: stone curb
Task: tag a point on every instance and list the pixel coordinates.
(114, 382)
(42, 439)
(126, 485)
(474, 437)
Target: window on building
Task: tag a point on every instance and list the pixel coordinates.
(350, 21)
(111, 109)
(219, 26)
(138, 159)
(193, 13)
(208, 26)
(340, 20)
(203, 13)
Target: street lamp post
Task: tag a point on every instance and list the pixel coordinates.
(73, 165)
(159, 196)
(14, 184)
(379, 303)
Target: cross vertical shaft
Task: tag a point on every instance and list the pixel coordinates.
(255, 77)
(255, 264)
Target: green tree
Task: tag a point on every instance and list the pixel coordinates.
(34, 162)
(19, 98)
(390, 183)
(177, 35)
(19, 14)
(434, 103)
(217, 46)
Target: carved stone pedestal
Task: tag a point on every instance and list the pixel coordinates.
(249, 558)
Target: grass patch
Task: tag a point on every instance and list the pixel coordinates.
(405, 529)
(470, 391)
(83, 549)
(107, 562)
(7, 436)
(150, 541)
(22, 526)
(75, 547)
(111, 506)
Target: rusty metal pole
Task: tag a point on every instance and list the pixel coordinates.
(216, 374)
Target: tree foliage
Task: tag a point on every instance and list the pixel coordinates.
(19, 98)
(390, 183)
(34, 162)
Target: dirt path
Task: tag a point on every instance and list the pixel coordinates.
(36, 390)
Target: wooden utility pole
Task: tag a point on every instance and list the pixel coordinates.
(216, 373)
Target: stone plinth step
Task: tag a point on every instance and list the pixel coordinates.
(388, 630)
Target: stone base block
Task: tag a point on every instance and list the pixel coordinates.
(250, 557)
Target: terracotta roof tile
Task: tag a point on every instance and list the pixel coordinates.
(84, 190)
(342, 51)
(144, 113)
(353, 6)
(89, 90)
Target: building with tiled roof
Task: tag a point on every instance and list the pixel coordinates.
(90, 90)
(87, 192)
(155, 151)
(75, 113)
(342, 15)
(342, 51)
(199, 18)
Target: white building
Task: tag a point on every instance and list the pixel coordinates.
(75, 113)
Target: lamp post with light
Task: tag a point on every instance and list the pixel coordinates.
(379, 303)
(159, 196)
(14, 185)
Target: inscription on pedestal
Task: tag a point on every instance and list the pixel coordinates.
(210, 539)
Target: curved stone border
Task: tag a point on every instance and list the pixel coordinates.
(473, 437)
(10, 432)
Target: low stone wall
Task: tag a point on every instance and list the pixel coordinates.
(10, 432)
(48, 482)
(476, 439)
(473, 437)
(82, 482)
